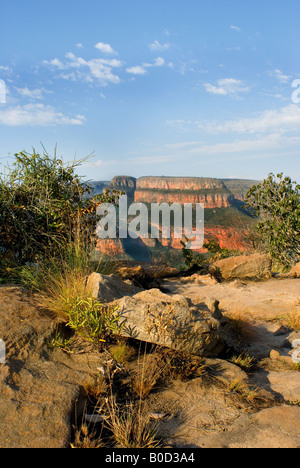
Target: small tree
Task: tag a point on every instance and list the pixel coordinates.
(276, 203)
(45, 205)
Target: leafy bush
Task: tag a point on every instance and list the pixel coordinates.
(44, 205)
(276, 204)
(93, 321)
(215, 252)
(218, 253)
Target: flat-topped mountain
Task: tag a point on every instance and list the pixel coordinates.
(223, 199)
(214, 193)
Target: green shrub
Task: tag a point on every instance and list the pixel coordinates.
(276, 204)
(215, 252)
(44, 205)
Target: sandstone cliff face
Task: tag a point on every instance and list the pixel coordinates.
(124, 184)
(228, 237)
(212, 192)
(215, 200)
(179, 183)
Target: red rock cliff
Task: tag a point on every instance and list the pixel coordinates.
(212, 192)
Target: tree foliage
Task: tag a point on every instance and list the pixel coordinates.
(44, 204)
(276, 203)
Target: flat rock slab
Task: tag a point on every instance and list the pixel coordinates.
(264, 300)
(40, 388)
(203, 417)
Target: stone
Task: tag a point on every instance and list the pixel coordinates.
(286, 384)
(109, 288)
(132, 273)
(277, 427)
(295, 271)
(226, 371)
(283, 355)
(199, 279)
(171, 321)
(41, 388)
(254, 267)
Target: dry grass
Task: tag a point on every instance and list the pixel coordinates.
(291, 320)
(150, 370)
(131, 427)
(244, 361)
(85, 439)
(96, 388)
(250, 396)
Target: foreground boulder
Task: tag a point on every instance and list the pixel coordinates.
(108, 288)
(295, 271)
(172, 321)
(253, 267)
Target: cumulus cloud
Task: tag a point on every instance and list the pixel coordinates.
(157, 46)
(31, 94)
(105, 48)
(54, 63)
(281, 76)
(137, 70)
(36, 115)
(78, 69)
(143, 69)
(282, 120)
(227, 87)
(235, 28)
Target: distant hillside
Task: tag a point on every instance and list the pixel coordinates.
(99, 186)
(239, 187)
(214, 193)
(225, 216)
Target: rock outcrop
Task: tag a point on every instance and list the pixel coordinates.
(41, 388)
(222, 200)
(295, 271)
(244, 267)
(155, 317)
(124, 184)
(211, 192)
(172, 322)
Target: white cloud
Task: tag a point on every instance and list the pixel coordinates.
(79, 45)
(36, 115)
(79, 69)
(267, 143)
(105, 48)
(235, 28)
(281, 77)
(142, 69)
(282, 120)
(137, 70)
(55, 63)
(227, 87)
(5, 69)
(31, 94)
(156, 45)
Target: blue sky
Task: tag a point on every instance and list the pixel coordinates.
(160, 87)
